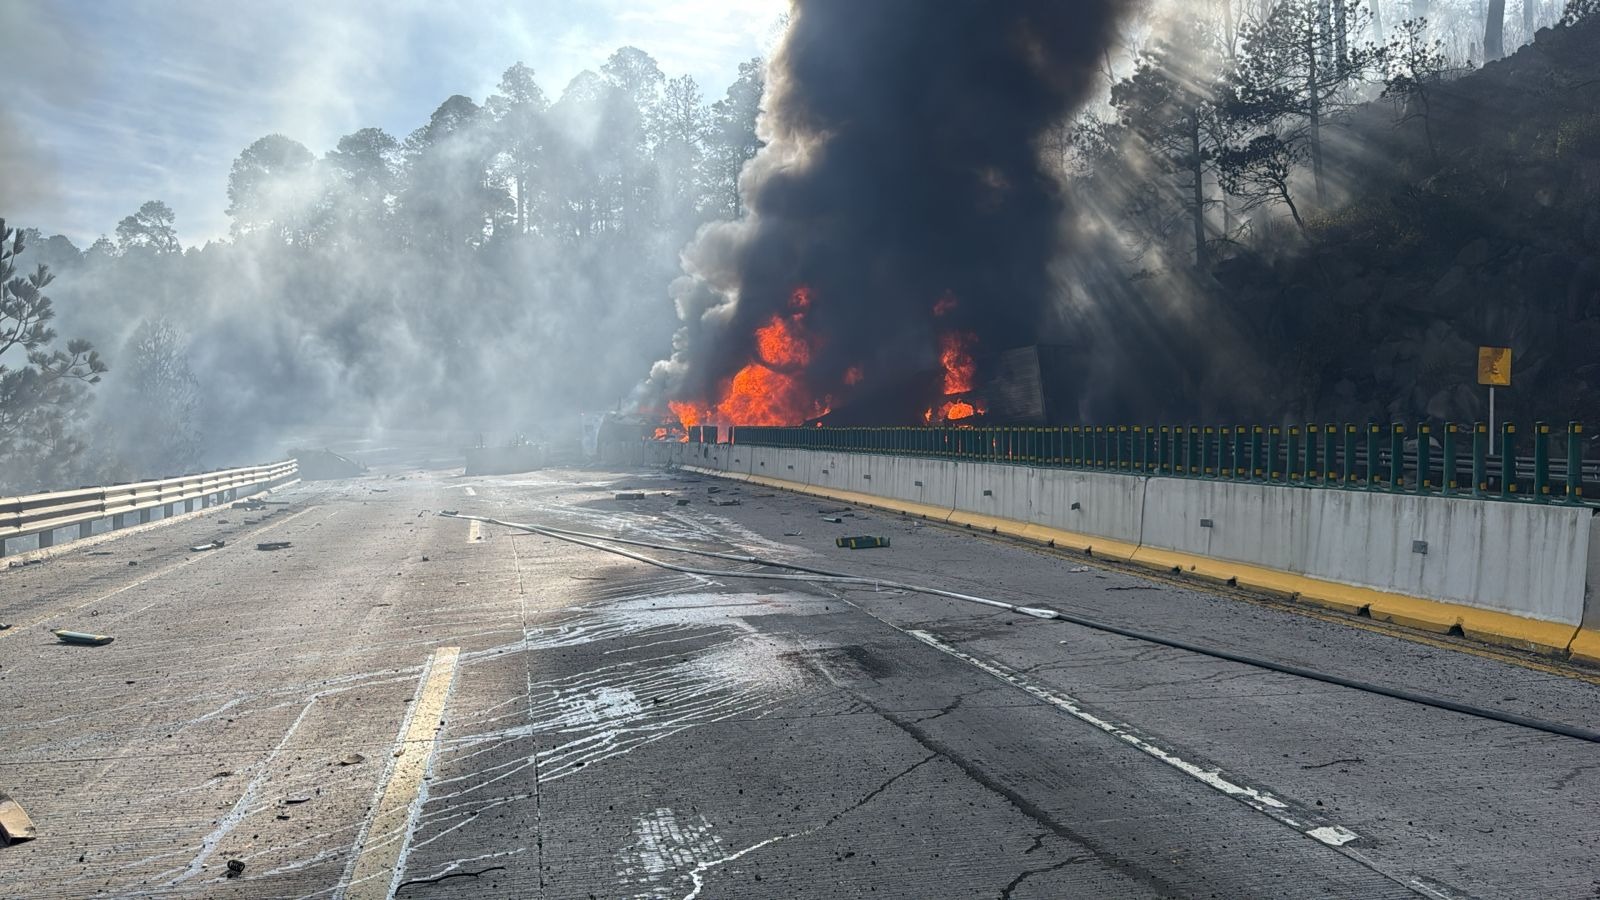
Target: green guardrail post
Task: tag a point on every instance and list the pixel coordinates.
(1480, 459)
(1273, 434)
(1180, 452)
(1208, 453)
(1292, 470)
(1163, 461)
(1424, 458)
(1508, 461)
(1574, 462)
(1257, 473)
(1313, 471)
(1541, 462)
(1397, 457)
(1347, 465)
(1449, 481)
(1196, 464)
(1138, 448)
(1373, 478)
(1241, 454)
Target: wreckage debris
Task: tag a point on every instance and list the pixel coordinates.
(252, 505)
(14, 822)
(834, 519)
(628, 495)
(683, 501)
(19, 563)
(200, 548)
(862, 542)
(82, 637)
(274, 545)
(352, 759)
(235, 868)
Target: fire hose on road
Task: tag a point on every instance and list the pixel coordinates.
(823, 576)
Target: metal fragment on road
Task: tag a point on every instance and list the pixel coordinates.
(14, 822)
(861, 542)
(82, 638)
(628, 495)
(274, 545)
(201, 548)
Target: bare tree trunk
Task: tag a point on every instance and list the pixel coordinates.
(1494, 29)
(1228, 33)
(1341, 35)
(1314, 111)
(1197, 171)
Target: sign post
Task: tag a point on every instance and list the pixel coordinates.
(1494, 370)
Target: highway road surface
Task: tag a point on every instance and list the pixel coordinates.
(400, 703)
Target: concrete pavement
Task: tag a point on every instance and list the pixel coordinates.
(502, 714)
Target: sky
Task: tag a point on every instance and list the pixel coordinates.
(109, 103)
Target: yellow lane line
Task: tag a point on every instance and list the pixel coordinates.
(190, 560)
(474, 531)
(379, 851)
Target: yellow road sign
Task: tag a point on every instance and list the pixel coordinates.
(1494, 366)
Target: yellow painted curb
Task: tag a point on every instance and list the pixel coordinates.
(1585, 646)
(1084, 543)
(1488, 626)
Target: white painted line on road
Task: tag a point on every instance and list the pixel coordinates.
(381, 848)
(474, 531)
(470, 491)
(1260, 800)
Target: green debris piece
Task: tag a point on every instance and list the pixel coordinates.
(861, 542)
(80, 637)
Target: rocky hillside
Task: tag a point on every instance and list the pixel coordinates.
(1491, 237)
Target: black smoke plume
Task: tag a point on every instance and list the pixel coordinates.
(901, 167)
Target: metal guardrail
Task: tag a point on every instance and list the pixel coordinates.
(44, 514)
(1452, 460)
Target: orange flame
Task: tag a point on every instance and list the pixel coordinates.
(768, 390)
(852, 375)
(661, 434)
(955, 354)
(779, 343)
(945, 304)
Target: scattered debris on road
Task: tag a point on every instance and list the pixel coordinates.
(252, 505)
(834, 519)
(791, 534)
(201, 548)
(14, 822)
(19, 563)
(683, 501)
(713, 490)
(82, 637)
(729, 502)
(628, 495)
(235, 868)
(273, 545)
(1077, 569)
(133, 562)
(861, 542)
(290, 801)
(449, 512)
(352, 759)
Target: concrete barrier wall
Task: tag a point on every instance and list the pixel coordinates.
(1530, 560)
